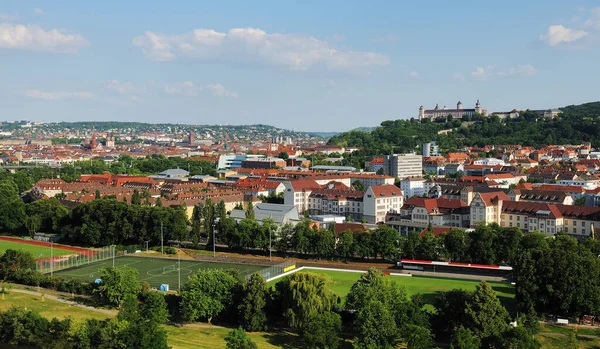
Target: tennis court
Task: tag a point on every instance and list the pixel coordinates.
(155, 271)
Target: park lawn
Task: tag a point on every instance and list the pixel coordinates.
(48, 308)
(186, 337)
(198, 336)
(36, 250)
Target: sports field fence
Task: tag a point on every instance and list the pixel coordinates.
(56, 263)
(275, 270)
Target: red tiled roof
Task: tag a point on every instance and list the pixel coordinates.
(437, 231)
(388, 190)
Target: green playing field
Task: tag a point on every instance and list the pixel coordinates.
(155, 271)
(341, 281)
(37, 251)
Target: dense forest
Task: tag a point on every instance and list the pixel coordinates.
(575, 125)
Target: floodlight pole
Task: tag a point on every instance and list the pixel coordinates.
(179, 269)
(214, 241)
(51, 258)
(162, 249)
(113, 254)
(146, 243)
(270, 239)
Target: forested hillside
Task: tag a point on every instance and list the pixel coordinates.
(573, 127)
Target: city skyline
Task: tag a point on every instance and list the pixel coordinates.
(315, 67)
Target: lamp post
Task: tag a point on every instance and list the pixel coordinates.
(146, 242)
(113, 254)
(51, 258)
(214, 241)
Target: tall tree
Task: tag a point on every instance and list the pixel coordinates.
(207, 293)
(302, 295)
(136, 198)
(485, 315)
(323, 331)
(118, 283)
(345, 243)
(376, 327)
(250, 211)
(197, 214)
(252, 307)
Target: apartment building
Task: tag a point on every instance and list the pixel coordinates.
(577, 221)
(403, 165)
(414, 186)
(486, 207)
(379, 200)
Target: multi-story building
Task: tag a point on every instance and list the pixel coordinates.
(577, 221)
(543, 196)
(369, 180)
(379, 200)
(229, 161)
(418, 213)
(414, 186)
(486, 207)
(457, 113)
(403, 165)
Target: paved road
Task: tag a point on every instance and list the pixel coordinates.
(65, 301)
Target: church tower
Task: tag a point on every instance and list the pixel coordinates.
(459, 105)
(478, 109)
(421, 113)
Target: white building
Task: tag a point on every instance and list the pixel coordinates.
(412, 186)
(230, 161)
(457, 113)
(381, 199)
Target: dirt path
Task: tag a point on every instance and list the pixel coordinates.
(65, 301)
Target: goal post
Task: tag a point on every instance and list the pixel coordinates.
(169, 269)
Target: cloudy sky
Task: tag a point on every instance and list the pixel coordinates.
(309, 65)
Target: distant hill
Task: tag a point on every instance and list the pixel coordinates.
(591, 109)
(333, 134)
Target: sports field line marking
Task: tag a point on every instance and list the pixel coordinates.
(93, 264)
(153, 276)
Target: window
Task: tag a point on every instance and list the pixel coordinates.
(583, 224)
(518, 218)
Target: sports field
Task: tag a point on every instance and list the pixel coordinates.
(155, 271)
(37, 251)
(340, 283)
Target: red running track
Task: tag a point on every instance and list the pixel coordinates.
(79, 250)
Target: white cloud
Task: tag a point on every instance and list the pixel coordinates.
(458, 77)
(49, 96)
(481, 73)
(413, 74)
(250, 45)
(34, 38)
(558, 34)
(520, 70)
(594, 20)
(220, 91)
(120, 86)
(9, 18)
(187, 88)
(39, 11)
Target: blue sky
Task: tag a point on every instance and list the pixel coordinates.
(305, 65)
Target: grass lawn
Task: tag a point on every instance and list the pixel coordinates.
(37, 251)
(187, 337)
(155, 271)
(342, 281)
(192, 337)
(556, 337)
(48, 308)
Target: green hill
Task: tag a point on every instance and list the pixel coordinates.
(576, 125)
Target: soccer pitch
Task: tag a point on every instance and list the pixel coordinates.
(37, 251)
(155, 271)
(340, 283)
